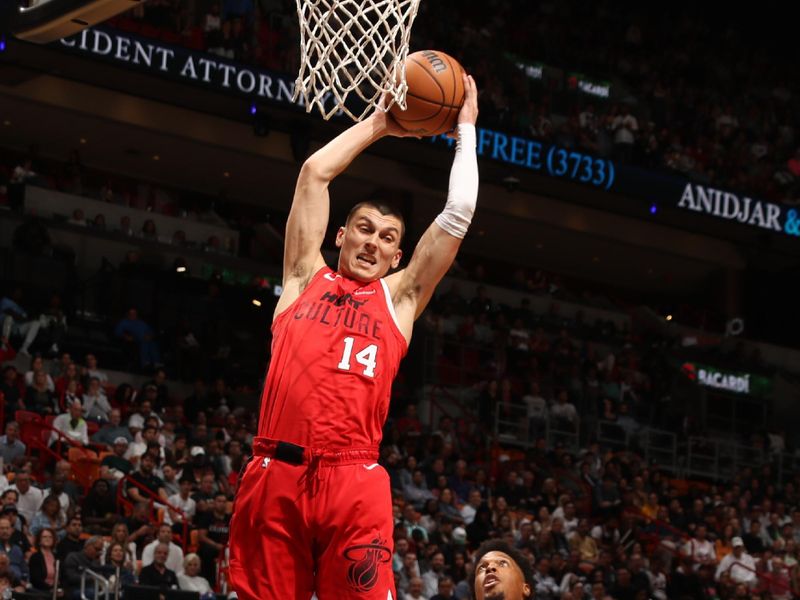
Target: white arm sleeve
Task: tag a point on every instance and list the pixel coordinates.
(462, 194)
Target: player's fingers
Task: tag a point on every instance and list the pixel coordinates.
(473, 89)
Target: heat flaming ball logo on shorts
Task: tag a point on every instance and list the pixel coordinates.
(362, 575)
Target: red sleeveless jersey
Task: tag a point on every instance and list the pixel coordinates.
(335, 352)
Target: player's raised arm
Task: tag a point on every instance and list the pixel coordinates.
(413, 287)
(308, 217)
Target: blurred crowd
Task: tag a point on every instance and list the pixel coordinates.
(142, 477)
(728, 119)
(133, 480)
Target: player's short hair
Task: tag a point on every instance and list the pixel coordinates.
(514, 554)
(387, 209)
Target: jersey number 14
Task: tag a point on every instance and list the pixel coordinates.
(366, 357)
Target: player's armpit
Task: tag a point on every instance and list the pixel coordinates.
(413, 287)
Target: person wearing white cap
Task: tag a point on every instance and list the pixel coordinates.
(741, 565)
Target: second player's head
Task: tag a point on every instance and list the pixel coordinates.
(369, 241)
(501, 572)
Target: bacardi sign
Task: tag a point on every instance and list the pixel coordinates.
(728, 381)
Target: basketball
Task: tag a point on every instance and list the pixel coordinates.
(435, 93)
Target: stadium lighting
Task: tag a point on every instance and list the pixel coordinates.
(256, 302)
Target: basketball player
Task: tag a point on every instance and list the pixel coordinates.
(313, 512)
(501, 573)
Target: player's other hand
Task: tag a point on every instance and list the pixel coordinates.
(469, 110)
(385, 124)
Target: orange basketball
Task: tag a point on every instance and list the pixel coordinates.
(435, 93)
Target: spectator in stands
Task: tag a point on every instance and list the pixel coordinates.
(37, 364)
(149, 231)
(29, 498)
(59, 367)
(38, 396)
(125, 227)
(48, 517)
(11, 447)
(19, 529)
(190, 579)
(96, 406)
(16, 321)
(563, 411)
(607, 497)
(213, 529)
(91, 370)
(120, 535)
(470, 508)
(135, 331)
(139, 419)
(204, 496)
(147, 481)
(157, 574)
(77, 218)
(99, 222)
(753, 540)
(739, 565)
(445, 589)
(15, 553)
(42, 563)
(71, 425)
(416, 491)
(115, 466)
(9, 497)
(11, 390)
(415, 590)
(184, 503)
(116, 560)
(71, 542)
(434, 574)
(54, 324)
(69, 383)
(112, 430)
(77, 562)
(146, 440)
(169, 474)
(174, 554)
(9, 581)
(99, 508)
(448, 506)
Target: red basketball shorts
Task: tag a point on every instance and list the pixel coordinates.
(322, 526)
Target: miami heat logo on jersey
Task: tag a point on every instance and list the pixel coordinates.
(362, 575)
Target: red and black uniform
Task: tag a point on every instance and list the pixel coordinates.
(313, 512)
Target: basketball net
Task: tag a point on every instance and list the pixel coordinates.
(353, 47)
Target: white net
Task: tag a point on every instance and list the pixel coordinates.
(353, 47)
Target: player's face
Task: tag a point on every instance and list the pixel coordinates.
(370, 245)
(498, 576)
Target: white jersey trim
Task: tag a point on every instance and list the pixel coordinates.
(390, 304)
